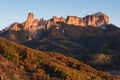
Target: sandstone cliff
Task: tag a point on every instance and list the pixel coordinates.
(96, 20)
(32, 27)
(31, 24)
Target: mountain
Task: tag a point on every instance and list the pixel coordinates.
(23, 63)
(73, 29)
(80, 38)
(34, 28)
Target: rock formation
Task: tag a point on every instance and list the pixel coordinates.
(33, 27)
(15, 26)
(31, 24)
(56, 19)
(29, 20)
(74, 20)
(96, 20)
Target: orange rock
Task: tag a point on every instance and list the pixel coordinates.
(29, 20)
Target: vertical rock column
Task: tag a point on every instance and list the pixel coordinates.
(29, 20)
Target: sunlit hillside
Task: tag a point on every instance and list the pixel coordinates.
(44, 66)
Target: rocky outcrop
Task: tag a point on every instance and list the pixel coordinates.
(31, 24)
(74, 20)
(96, 20)
(56, 19)
(32, 28)
(29, 21)
(15, 26)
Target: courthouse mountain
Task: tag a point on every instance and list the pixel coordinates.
(33, 28)
(81, 38)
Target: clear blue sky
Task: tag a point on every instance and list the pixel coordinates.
(17, 10)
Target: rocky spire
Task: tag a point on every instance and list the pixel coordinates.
(29, 20)
(30, 17)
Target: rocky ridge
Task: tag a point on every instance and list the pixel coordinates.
(95, 20)
(32, 28)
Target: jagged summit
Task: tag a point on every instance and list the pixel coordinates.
(30, 16)
(29, 20)
(99, 13)
(33, 27)
(96, 20)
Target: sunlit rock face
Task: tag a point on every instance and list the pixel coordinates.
(29, 20)
(15, 26)
(74, 20)
(32, 24)
(32, 28)
(96, 20)
(56, 19)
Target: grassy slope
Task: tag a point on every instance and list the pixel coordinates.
(9, 71)
(46, 66)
